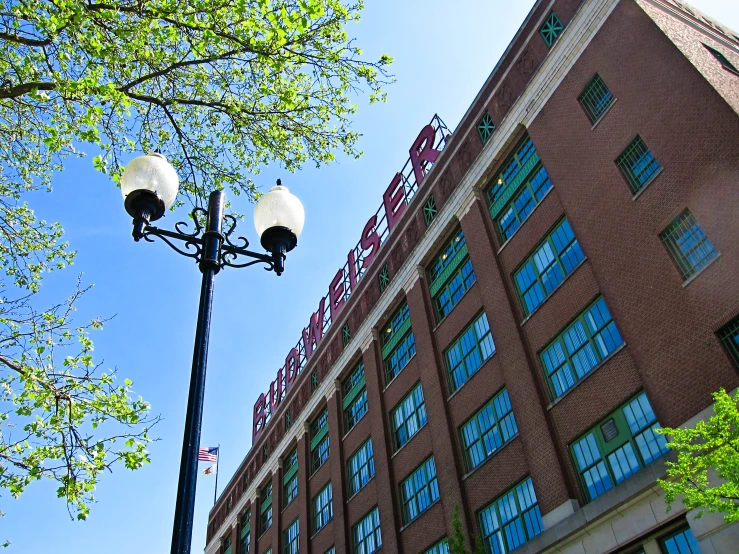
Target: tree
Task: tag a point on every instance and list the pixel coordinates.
(706, 474)
(457, 542)
(221, 87)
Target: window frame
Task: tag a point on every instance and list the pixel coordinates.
(679, 531)
(680, 258)
(502, 526)
(375, 532)
(318, 509)
(319, 437)
(265, 507)
(593, 110)
(608, 448)
(290, 477)
(552, 21)
(556, 261)
(439, 547)
(291, 546)
(728, 335)
(627, 167)
(451, 265)
(428, 484)
(397, 334)
(499, 425)
(593, 341)
(417, 409)
(354, 397)
(457, 345)
(369, 464)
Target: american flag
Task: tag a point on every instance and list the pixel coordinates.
(208, 454)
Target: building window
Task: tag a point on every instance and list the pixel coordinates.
(638, 164)
(408, 417)
(729, 336)
(618, 447)
(245, 482)
(517, 189)
(330, 551)
(228, 505)
(688, 244)
(511, 520)
(265, 451)
(441, 547)
(290, 476)
(366, 534)
(488, 430)
(268, 551)
(361, 467)
(384, 278)
(485, 128)
(288, 419)
(553, 260)
(319, 443)
(265, 509)
(596, 99)
(323, 509)
(313, 381)
(551, 29)
(291, 538)
(723, 60)
(355, 397)
(419, 491)
(450, 275)
(580, 347)
(429, 210)
(469, 352)
(226, 544)
(680, 542)
(245, 535)
(346, 334)
(398, 343)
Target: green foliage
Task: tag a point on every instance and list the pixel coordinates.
(706, 474)
(458, 542)
(221, 87)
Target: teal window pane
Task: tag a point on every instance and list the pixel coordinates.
(408, 417)
(419, 491)
(366, 535)
(490, 428)
(469, 352)
(551, 29)
(361, 467)
(383, 278)
(688, 244)
(399, 343)
(355, 411)
(323, 508)
(511, 520)
(429, 210)
(485, 128)
(682, 542)
(291, 538)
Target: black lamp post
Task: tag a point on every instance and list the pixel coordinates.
(149, 185)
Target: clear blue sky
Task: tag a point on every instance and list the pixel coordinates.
(443, 53)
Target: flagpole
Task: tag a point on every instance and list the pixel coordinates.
(215, 489)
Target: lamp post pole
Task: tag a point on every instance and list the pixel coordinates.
(209, 266)
(149, 185)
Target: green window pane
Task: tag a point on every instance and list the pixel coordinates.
(488, 430)
(467, 354)
(384, 278)
(226, 544)
(729, 337)
(346, 334)
(366, 535)
(360, 468)
(511, 520)
(517, 171)
(419, 491)
(441, 547)
(354, 397)
(399, 343)
(319, 441)
(596, 98)
(355, 411)
(291, 538)
(638, 164)
(265, 508)
(429, 211)
(265, 451)
(688, 244)
(323, 509)
(578, 349)
(288, 419)
(485, 128)
(553, 260)
(680, 542)
(450, 275)
(551, 29)
(619, 446)
(408, 417)
(290, 476)
(313, 381)
(528, 196)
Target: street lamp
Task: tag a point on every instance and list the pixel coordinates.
(149, 185)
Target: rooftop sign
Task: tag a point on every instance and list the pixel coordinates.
(403, 187)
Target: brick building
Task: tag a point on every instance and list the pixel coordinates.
(559, 284)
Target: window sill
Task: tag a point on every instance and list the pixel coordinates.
(582, 262)
(404, 527)
(525, 219)
(493, 455)
(646, 186)
(443, 319)
(397, 374)
(701, 270)
(360, 490)
(448, 398)
(603, 362)
(605, 113)
(313, 536)
(399, 450)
